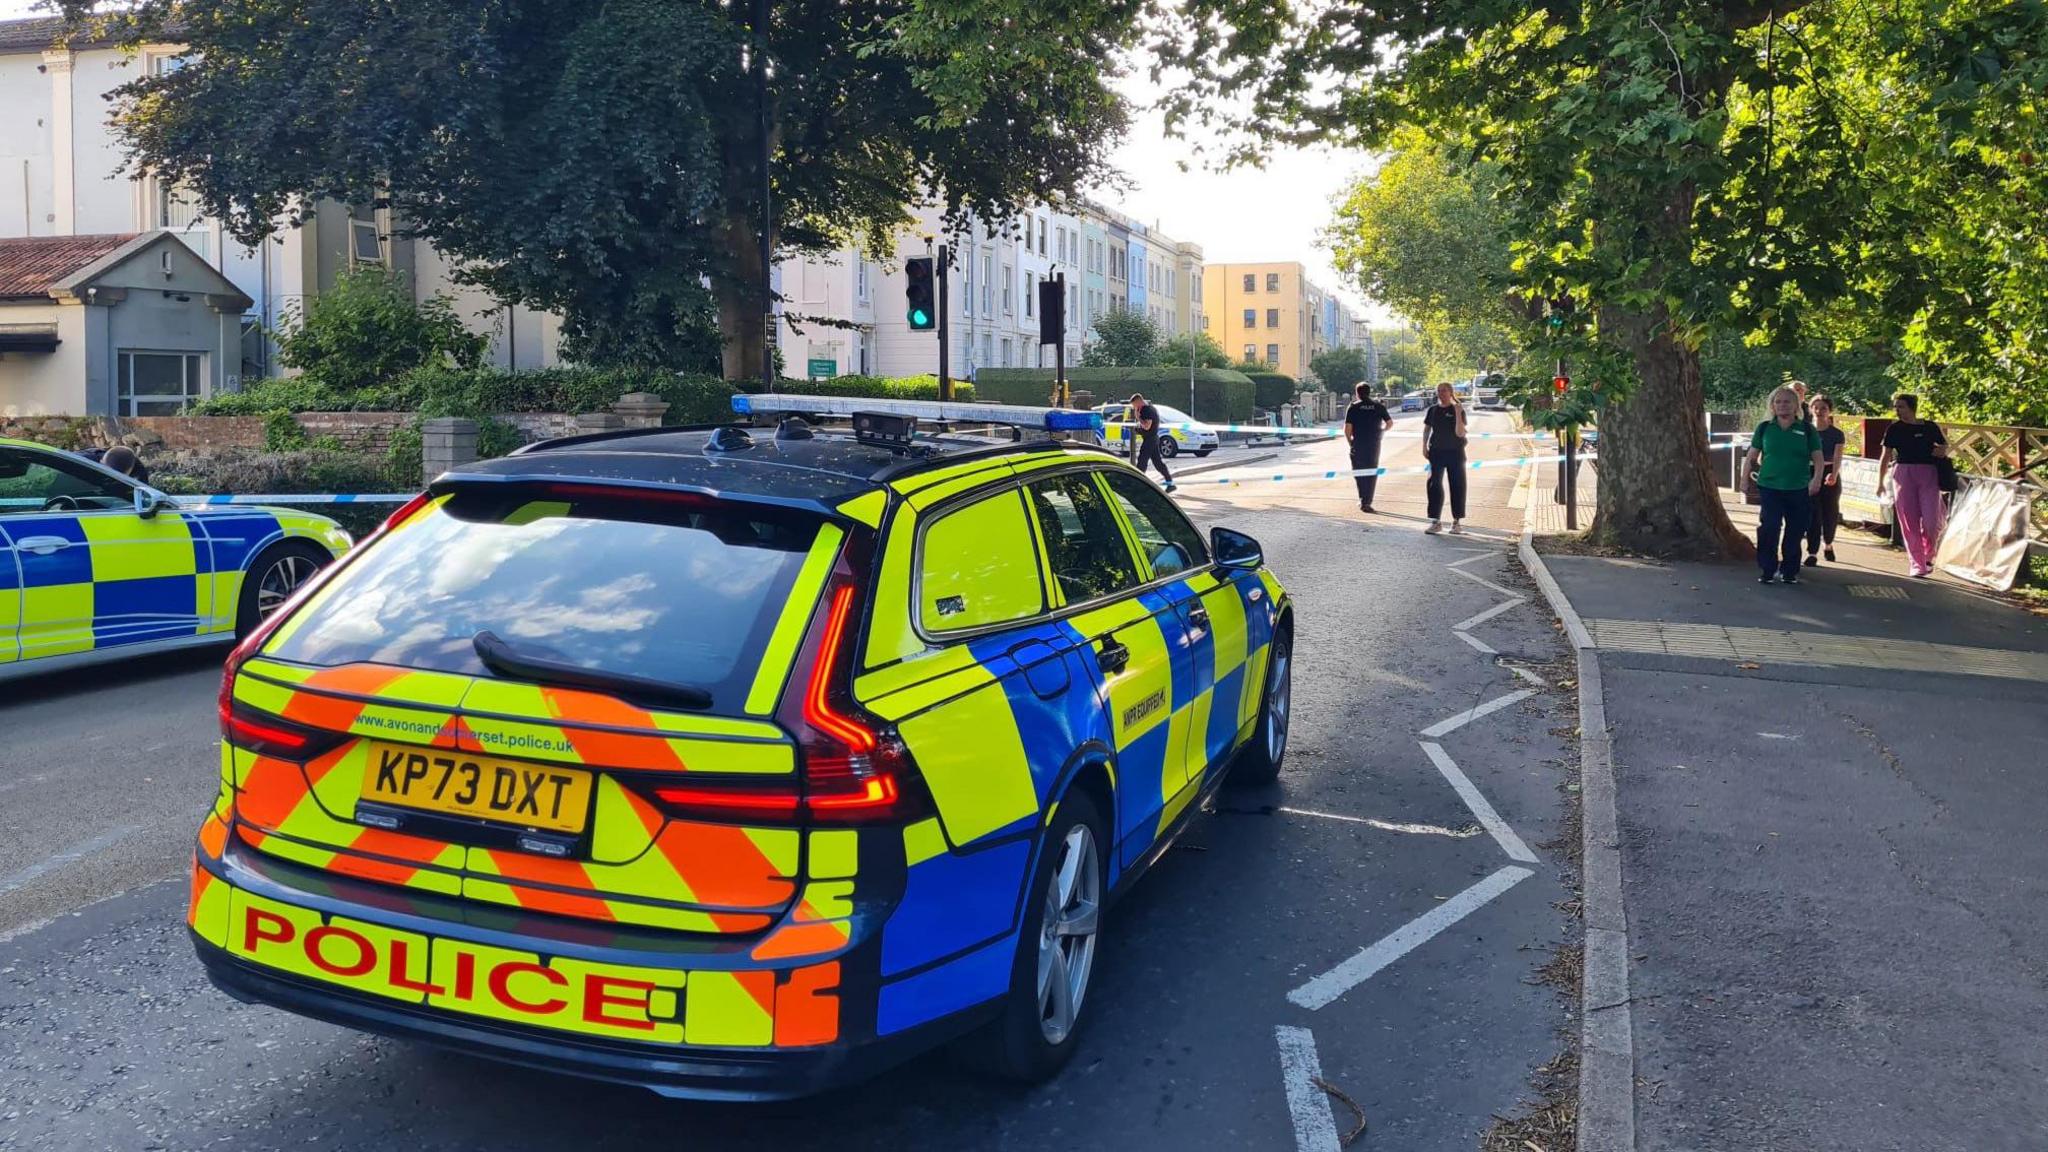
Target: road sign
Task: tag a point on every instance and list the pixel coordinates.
(822, 369)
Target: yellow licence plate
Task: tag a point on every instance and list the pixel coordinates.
(549, 796)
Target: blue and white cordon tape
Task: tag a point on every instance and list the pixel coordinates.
(301, 498)
(1341, 473)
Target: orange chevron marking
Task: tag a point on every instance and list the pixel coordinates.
(807, 1007)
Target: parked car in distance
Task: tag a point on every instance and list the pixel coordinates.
(1178, 431)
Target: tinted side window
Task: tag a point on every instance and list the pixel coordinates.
(1173, 544)
(978, 566)
(37, 482)
(1082, 543)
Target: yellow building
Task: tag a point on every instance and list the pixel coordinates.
(1269, 312)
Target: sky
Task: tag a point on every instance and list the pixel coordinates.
(1271, 213)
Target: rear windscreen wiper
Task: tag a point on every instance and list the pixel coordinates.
(503, 658)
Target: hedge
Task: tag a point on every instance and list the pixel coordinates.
(692, 399)
(1272, 389)
(1221, 395)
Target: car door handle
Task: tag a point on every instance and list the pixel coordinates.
(1113, 657)
(1198, 616)
(42, 545)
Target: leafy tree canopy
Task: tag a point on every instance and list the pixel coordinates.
(1123, 339)
(601, 160)
(367, 330)
(1173, 353)
(1340, 369)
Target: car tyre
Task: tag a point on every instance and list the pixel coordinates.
(279, 571)
(1169, 447)
(1203, 451)
(1259, 761)
(1044, 1010)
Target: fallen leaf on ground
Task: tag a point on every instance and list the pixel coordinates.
(1750, 666)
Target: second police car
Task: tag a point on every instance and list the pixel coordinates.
(734, 764)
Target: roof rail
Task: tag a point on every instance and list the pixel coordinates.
(936, 411)
(582, 438)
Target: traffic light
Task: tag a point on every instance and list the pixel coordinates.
(1561, 383)
(1559, 309)
(920, 309)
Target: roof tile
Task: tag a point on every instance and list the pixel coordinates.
(31, 265)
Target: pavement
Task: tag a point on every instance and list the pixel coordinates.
(1379, 920)
(1829, 807)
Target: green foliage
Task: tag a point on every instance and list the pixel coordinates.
(1123, 339)
(1221, 396)
(281, 433)
(300, 470)
(1173, 353)
(481, 391)
(600, 160)
(1393, 385)
(1404, 361)
(367, 329)
(1272, 389)
(1340, 369)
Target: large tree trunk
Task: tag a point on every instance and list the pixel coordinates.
(1656, 487)
(742, 294)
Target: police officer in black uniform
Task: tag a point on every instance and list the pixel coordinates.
(1147, 419)
(1364, 423)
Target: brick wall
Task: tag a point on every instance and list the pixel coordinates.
(368, 433)
(150, 433)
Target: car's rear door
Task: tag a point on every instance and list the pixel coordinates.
(1137, 646)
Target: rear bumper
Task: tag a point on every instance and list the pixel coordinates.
(700, 1074)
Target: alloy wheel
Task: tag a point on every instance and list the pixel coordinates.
(1279, 699)
(1066, 938)
(280, 580)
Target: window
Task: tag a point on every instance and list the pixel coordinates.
(988, 350)
(1082, 545)
(1030, 294)
(1007, 361)
(1272, 317)
(1074, 301)
(1170, 542)
(860, 279)
(33, 482)
(1009, 291)
(977, 567)
(1251, 352)
(988, 288)
(591, 582)
(1041, 235)
(1272, 353)
(160, 383)
(1251, 317)
(1272, 281)
(1251, 282)
(365, 245)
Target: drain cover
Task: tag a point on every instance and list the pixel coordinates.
(1877, 591)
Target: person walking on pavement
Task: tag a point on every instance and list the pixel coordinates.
(1147, 418)
(1827, 503)
(1785, 460)
(1364, 423)
(1914, 445)
(1443, 445)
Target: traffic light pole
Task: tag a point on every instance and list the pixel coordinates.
(941, 271)
(1571, 468)
(1060, 398)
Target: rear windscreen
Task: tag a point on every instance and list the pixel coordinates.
(683, 591)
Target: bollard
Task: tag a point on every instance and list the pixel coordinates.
(446, 443)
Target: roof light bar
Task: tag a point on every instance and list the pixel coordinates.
(931, 411)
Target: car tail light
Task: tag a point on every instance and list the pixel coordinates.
(257, 731)
(852, 769)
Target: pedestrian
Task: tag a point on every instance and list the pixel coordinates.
(1364, 423)
(1443, 445)
(123, 459)
(1914, 445)
(1784, 460)
(1805, 410)
(1827, 503)
(1147, 418)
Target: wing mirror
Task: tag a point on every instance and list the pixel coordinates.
(148, 501)
(1234, 549)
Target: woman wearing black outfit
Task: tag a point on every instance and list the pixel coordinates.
(1443, 444)
(1827, 503)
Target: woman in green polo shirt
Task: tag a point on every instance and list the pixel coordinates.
(1785, 459)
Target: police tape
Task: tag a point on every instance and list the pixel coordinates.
(301, 498)
(1324, 433)
(1345, 473)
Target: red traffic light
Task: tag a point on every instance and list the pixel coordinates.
(1561, 383)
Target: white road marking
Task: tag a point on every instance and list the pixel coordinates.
(1531, 677)
(1315, 1130)
(1481, 810)
(67, 857)
(1488, 583)
(1471, 622)
(1386, 825)
(1453, 723)
(11, 785)
(1326, 988)
(1478, 645)
(1478, 554)
(1776, 736)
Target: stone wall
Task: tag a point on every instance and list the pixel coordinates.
(364, 433)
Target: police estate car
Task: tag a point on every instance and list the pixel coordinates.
(735, 763)
(94, 566)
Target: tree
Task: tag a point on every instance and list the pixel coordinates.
(1208, 354)
(1403, 360)
(1339, 369)
(1123, 339)
(603, 160)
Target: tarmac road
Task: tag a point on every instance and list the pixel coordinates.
(110, 1038)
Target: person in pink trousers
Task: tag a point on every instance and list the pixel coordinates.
(1911, 446)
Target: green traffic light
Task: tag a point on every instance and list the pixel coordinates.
(919, 318)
